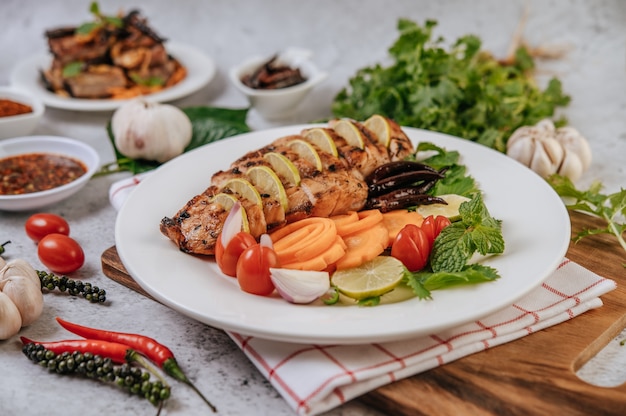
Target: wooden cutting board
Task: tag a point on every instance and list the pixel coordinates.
(534, 375)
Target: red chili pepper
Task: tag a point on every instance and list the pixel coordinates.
(154, 351)
(118, 353)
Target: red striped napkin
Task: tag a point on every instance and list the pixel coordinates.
(315, 378)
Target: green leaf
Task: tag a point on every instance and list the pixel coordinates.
(72, 69)
(424, 282)
(87, 28)
(153, 81)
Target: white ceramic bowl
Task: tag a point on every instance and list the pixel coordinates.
(279, 103)
(23, 124)
(47, 144)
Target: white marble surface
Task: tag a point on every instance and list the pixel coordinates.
(345, 36)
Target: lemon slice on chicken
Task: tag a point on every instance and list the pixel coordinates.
(306, 151)
(227, 201)
(322, 139)
(244, 189)
(266, 180)
(350, 132)
(284, 168)
(379, 125)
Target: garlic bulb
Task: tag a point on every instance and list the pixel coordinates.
(150, 131)
(300, 286)
(548, 150)
(21, 299)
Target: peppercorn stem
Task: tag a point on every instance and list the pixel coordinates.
(4, 244)
(171, 367)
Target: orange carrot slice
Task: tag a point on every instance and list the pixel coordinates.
(323, 260)
(396, 220)
(363, 246)
(367, 219)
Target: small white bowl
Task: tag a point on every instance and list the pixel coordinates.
(281, 102)
(48, 144)
(23, 124)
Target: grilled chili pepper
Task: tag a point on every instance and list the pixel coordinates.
(393, 168)
(402, 180)
(154, 351)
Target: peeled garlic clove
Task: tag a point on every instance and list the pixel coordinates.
(19, 267)
(26, 296)
(300, 286)
(572, 166)
(10, 319)
(572, 140)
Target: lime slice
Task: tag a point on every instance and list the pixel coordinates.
(227, 201)
(451, 210)
(350, 132)
(306, 151)
(379, 125)
(284, 168)
(244, 189)
(373, 278)
(322, 139)
(266, 180)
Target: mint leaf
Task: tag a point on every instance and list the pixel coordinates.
(476, 231)
(424, 282)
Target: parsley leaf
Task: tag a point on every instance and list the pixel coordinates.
(609, 207)
(462, 91)
(477, 231)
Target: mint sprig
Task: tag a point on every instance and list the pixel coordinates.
(423, 283)
(477, 231)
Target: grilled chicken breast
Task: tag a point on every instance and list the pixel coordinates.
(336, 188)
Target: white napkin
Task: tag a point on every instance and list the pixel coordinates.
(314, 378)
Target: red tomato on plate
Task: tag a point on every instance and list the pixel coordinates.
(412, 247)
(432, 226)
(38, 226)
(253, 270)
(60, 253)
(226, 257)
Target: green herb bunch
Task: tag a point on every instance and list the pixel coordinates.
(463, 91)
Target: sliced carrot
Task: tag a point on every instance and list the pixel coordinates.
(344, 219)
(313, 238)
(367, 219)
(398, 219)
(363, 246)
(322, 261)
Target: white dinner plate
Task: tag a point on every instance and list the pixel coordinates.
(536, 230)
(200, 70)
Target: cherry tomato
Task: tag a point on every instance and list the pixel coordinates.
(40, 225)
(253, 269)
(60, 253)
(432, 226)
(226, 257)
(412, 247)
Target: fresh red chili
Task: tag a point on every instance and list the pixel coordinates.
(118, 353)
(153, 350)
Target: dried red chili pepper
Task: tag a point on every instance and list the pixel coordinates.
(118, 353)
(154, 351)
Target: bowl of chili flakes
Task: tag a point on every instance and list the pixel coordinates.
(20, 112)
(37, 171)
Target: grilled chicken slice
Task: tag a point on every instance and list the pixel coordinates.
(337, 188)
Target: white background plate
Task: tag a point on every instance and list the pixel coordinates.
(536, 230)
(200, 70)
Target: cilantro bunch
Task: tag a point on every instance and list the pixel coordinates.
(462, 91)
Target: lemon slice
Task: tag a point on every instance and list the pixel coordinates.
(379, 125)
(283, 167)
(244, 189)
(322, 139)
(350, 132)
(227, 201)
(266, 180)
(373, 278)
(451, 210)
(306, 151)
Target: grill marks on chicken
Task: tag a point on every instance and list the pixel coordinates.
(338, 188)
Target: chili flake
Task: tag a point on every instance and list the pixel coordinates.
(13, 108)
(34, 172)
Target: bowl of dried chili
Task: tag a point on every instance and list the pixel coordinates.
(275, 86)
(20, 112)
(37, 171)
